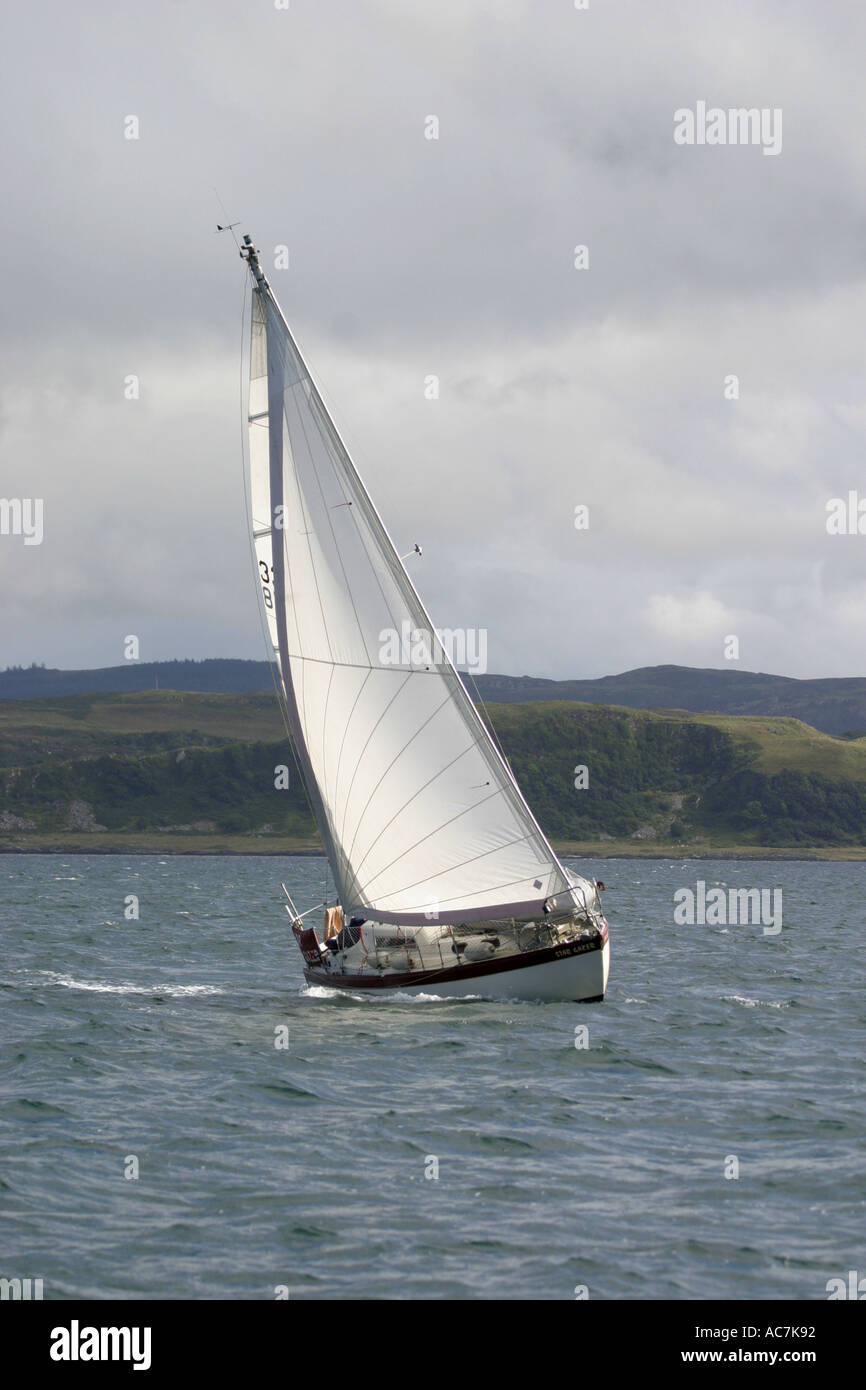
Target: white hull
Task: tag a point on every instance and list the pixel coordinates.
(573, 979)
(568, 979)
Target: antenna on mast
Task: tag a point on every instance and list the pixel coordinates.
(226, 226)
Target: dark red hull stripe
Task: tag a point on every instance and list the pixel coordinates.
(475, 970)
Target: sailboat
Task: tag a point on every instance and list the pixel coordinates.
(444, 882)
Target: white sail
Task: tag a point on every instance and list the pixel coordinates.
(420, 815)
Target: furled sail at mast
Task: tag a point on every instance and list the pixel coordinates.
(420, 816)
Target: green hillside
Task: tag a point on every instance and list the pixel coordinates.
(175, 770)
(709, 780)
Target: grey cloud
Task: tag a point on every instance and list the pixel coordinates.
(453, 257)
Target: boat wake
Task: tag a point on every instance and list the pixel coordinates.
(748, 1003)
(391, 996)
(52, 977)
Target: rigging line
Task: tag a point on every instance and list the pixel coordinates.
(491, 728)
(314, 908)
(230, 226)
(279, 692)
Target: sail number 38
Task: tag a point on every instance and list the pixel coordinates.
(267, 583)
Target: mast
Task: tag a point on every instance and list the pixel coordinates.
(261, 288)
(249, 254)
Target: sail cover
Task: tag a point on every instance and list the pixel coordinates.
(421, 817)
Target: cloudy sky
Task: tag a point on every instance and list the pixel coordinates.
(410, 257)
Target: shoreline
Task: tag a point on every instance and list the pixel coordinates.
(246, 846)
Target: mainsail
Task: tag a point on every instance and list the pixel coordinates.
(420, 815)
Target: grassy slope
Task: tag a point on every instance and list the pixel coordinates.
(790, 745)
(50, 737)
(775, 744)
(85, 725)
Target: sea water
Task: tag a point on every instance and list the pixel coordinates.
(181, 1117)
